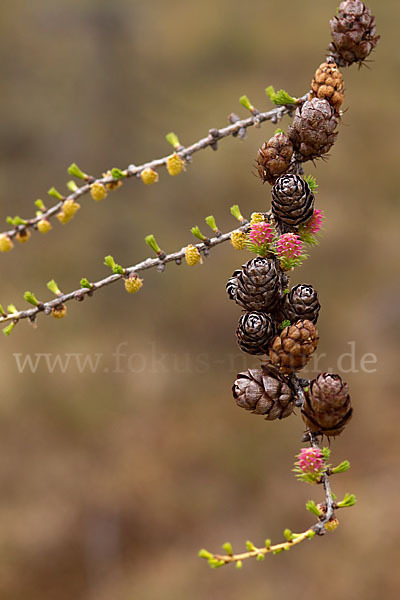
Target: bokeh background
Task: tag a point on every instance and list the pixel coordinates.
(112, 480)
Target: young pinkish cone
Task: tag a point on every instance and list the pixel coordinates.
(289, 249)
(311, 460)
(260, 237)
(261, 233)
(314, 225)
(310, 465)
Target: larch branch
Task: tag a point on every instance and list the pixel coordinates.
(211, 140)
(149, 263)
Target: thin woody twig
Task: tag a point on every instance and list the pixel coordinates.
(319, 527)
(292, 539)
(80, 293)
(211, 140)
(255, 552)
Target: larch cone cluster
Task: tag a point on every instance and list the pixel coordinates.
(278, 322)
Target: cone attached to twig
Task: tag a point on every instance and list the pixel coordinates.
(327, 409)
(256, 286)
(274, 156)
(328, 84)
(292, 200)
(353, 33)
(292, 349)
(313, 130)
(300, 303)
(264, 392)
(232, 285)
(254, 332)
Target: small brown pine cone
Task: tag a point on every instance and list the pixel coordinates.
(273, 158)
(264, 392)
(353, 33)
(292, 349)
(254, 332)
(292, 200)
(327, 408)
(256, 286)
(300, 303)
(232, 285)
(328, 84)
(313, 130)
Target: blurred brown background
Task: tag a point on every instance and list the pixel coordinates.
(112, 481)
